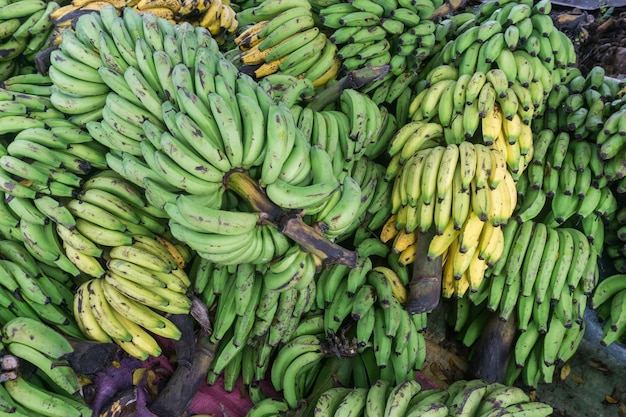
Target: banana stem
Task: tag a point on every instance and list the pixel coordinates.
(89, 357)
(425, 285)
(493, 349)
(238, 181)
(313, 241)
(447, 8)
(288, 222)
(354, 80)
(185, 382)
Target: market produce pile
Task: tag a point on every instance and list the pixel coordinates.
(278, 174)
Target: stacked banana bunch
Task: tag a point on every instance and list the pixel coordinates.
(51, 387)
(282, 37)
(25, 28)
(463, 397)
(34, 290)
(175, 157)
(251, 319)
(217, 15)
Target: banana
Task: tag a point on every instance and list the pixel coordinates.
(39, 400)
(134, 311)
(32, 333)
(606, 289)
(102, 311)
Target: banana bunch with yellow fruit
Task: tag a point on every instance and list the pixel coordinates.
(542, 280)
(217, 16)
(282, 37)
(480, 107)
(138, 283)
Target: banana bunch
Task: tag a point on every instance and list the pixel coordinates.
(43, 382)
(361, 193)
(437, 185)
(282, 37)
(520, 39)
(376, 33)
(554, 265)
(217, 16)
(370, 127)
(25, 28)
(609, 299)
(302, 355)
(478, 107)
(614, 240)
(589, 108)
(115, 309)
(463, 397)
(368, 301)
(37, 343)
(49, 159)
(250, 319)
(537, 349)
(566, 179)
(21, 110)
(110, 212)
(581, 104)
(30, 289)
(205, 123)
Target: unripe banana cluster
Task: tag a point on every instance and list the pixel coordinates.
(25, 28)
(520, 39)
(567, 176)
(591, 110)
(380, 33)
(608, 297)
(32, 290)
(251, 319)
(285, 40)
(217, 15)
(544, 278)
(615, 237)
(53, 386)
(463, 397)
